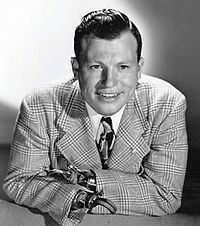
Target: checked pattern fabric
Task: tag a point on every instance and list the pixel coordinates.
(105, 140)
(152, 135)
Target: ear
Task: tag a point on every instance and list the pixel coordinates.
(140, 67)
(75, 66)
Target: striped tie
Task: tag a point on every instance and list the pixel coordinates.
(105, 140)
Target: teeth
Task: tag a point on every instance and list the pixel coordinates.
(108, 95)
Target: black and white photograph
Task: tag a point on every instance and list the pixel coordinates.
(99, 113)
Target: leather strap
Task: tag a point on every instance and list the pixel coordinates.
(95, 201)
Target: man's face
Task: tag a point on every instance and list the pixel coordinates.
(108, 72)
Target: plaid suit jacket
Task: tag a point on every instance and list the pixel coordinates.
(147, 165)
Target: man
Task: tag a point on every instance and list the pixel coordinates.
(110, 140)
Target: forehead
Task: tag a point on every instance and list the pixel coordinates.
(125, 44)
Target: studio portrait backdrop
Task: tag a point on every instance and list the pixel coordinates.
(36, 44)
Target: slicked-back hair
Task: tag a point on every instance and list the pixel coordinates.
(105, 24)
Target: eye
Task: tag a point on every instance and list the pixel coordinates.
(96, 66)
(124, 66)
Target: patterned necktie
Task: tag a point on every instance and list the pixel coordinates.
(105, 140)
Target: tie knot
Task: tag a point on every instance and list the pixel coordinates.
(105, 140)
(107, 119)
(107, 124)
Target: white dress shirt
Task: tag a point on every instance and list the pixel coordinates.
(95, 119)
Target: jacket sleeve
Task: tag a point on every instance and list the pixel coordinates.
(27, 181)
(158, 189)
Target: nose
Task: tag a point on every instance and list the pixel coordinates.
(109, 77)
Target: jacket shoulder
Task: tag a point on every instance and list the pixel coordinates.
(158, 98)
(53, 95)
(157, 89)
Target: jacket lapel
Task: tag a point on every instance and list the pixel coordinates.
(131, 139)
(77, 144)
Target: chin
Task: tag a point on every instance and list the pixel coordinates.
(107, 111)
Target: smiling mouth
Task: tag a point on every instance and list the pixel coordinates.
(108, 95)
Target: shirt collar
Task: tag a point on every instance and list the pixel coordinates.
(95, 118)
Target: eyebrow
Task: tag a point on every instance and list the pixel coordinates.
(122, 61)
